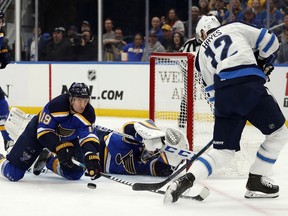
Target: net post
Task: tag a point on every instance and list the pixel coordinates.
(190, 101)
(152, 89)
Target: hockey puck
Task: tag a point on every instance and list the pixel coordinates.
(91, 185)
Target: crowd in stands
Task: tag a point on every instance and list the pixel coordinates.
(167, 33)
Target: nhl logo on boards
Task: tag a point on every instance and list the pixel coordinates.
(91, 75)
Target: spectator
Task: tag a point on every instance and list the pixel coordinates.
(85, 26)
(108, 40)
(87, 50)
(194, 19)
(42, 41)
(203, 7)
(276, 17)
(153, 46)
(167, 37)
(135, 49)
(174, 21)
(218, 5)
(58, 49)
(282, 36)
(237, 10)
(261, 3)
(257, 8)
(250, 17)
(118, 44)
(156, 28)
(282, 56)
(177, 42)
(72, 36)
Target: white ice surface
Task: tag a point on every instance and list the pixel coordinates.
(49, 194)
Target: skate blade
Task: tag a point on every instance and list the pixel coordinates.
(258, 194)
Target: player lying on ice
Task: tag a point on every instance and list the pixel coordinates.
(229, 68)
(119, 153)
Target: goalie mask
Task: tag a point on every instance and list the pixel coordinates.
(205, 24)
(79, 90)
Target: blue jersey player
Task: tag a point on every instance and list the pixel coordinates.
(4, 107)
(121, 155)
(64, 126)
(235, 79)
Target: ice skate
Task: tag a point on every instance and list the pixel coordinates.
(8, 145)
(41, 161)
(178, 187)
(260, 187)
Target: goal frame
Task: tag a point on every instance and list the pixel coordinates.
(190, 83)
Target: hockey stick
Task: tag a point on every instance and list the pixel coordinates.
(158, 185)
(204, 193)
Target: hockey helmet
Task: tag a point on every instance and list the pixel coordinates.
(205, 24)
(79, 90)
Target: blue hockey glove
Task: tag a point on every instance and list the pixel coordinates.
(4, 57)
(93, 166)
(64, 152)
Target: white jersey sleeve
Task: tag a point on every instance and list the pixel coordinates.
(230, 48)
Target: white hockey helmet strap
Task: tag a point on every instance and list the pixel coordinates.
(205, 24)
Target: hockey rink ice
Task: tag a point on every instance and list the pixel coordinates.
(49, 194)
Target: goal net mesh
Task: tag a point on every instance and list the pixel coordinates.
(178, 99)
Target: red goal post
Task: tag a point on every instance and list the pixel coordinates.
(170, 63)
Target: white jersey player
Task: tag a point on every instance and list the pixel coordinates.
(230, 70)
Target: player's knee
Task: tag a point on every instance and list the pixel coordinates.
(12, 172)
(277, 140)
(218, 158)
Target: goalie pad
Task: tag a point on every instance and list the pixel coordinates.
(16, 122)
(152, 136)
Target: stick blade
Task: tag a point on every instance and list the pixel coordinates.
(147, 186)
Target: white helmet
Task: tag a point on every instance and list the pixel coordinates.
(205, 24)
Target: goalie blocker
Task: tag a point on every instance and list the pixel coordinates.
(16, 122)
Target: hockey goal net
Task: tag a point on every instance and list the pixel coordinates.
(178, 99)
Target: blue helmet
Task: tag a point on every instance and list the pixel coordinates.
(80, 90)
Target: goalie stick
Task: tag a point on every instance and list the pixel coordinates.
(158, 185)
(204, 193)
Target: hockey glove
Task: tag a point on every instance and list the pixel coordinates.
(64, 153)
(266, 64)
(4, 57)
(93, 166)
